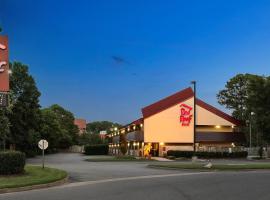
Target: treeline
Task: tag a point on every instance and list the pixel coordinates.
(248, 96)
(24, 122)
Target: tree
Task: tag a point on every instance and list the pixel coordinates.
(50, 129)
(25, 109)
(4, 127)
(58, 125)
(236, 93)
(96, 127)
(246, 93)
(259, 102)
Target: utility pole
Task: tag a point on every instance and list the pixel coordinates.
(194, 107)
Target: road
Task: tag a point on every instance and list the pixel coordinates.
(134, 181)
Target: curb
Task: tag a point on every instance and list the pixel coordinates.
(33, 187)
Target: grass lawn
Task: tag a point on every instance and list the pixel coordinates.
(34, 175)
(200, 166)
(114, 159)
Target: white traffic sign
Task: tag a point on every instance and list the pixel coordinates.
(43, 144)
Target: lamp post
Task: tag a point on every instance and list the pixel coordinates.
(250, 130)
(194, 107)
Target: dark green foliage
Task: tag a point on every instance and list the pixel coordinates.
(246, 93)
(96, 127)
(189, 154)
(90, 138)
(58, 127)
(99, 149)
(11, 162)
(4, 128)
(25, 117)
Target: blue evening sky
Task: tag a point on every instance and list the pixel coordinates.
(105, 60)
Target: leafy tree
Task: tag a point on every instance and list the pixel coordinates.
(25, 113)
(89, 139)
(58, 126)
(96, 127)
(50, 128)
(235, 95)
(246, 93)
(259, 102)
(4, 127)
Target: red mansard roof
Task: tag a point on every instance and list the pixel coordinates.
(180, 97)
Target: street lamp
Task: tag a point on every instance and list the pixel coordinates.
(250, 129)
(194, 107)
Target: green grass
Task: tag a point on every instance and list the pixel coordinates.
(114, 159)
(200, 166)
(34, 175)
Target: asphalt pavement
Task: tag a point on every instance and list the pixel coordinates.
(133, 180)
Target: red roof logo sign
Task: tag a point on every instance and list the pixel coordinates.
(185, 114)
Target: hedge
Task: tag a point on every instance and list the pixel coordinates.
(203, 154)
(11, 162)
(98, 149)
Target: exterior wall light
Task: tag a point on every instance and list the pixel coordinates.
(141, 125)
(232, 126)
(134, 127)
(161, 143)
(128, 144)
(217, 126)
(115, 128)
(128, 129)
(233, 145)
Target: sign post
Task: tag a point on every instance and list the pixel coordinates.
(43, 144)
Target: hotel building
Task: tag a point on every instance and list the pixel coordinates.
(169, 125)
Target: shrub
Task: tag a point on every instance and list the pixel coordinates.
(98, 149)
(200, 154)
(11, 162)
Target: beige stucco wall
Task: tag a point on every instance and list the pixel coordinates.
(204, 117)
(165, 126)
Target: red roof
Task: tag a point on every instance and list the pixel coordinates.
(167, 102)
(81, 123)
(180, 97)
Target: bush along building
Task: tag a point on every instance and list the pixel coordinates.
(169, 125)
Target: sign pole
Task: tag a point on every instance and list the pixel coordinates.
(43, 154)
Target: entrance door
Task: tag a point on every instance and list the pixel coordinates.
(155, 149)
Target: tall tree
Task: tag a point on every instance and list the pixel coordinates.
(96, 127)
(25, 109)
(61, 124)
(246, 93)
(4, 127)
(235, 95)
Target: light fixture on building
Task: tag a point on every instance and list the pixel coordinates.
(142, 143)
(128, 144)
(128, 129)
(218, 126)
(115, 128)
(141, 125)
(161, 143)
(233, 145)
(232, 126)
(134, 127)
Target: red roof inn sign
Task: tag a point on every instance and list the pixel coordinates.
(4, 67)
(185, 114)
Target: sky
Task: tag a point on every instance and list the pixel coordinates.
(105, 60)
